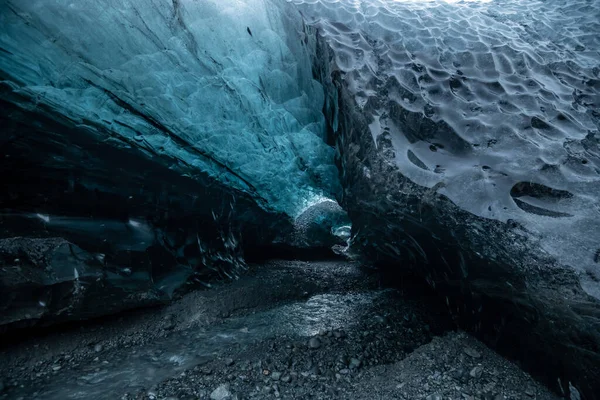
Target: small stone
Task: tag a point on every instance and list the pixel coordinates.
(339, 334)
(355, 363)
(435, 396)
(221, 393)
(169, 323)
(56, 368)
(476, 372)
(229, 362)
(530, 391)
(266, 372)
(286, 379)
(98, 348)
(314, 343)
(276, 376)
(471, 352)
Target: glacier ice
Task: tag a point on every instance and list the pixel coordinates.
(223, 87)
(162, 140)
(491, 104)
(469, 141)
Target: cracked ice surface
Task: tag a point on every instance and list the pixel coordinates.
(223, 87)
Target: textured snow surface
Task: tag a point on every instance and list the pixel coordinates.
(219, 86)
(494, 104)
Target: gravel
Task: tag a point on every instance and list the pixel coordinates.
(395, 346)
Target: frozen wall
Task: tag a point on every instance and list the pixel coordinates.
(223, 87)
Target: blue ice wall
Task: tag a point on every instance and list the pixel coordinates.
(223, 87)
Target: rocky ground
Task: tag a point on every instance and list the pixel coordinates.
(286, 329)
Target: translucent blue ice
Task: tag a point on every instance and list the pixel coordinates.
(219, 86)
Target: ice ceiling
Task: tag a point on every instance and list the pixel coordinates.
(224, 87)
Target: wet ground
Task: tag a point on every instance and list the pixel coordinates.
(286, 329)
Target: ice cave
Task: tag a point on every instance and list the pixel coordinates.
(300, 199)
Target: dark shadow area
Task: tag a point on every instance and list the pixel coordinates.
(287, 252)
(511, 325)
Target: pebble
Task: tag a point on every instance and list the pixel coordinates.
(355, 363)
(276, 376)
(339, 334)
(435, 396)
(471, 352)
(98, 348)
(221, 393)
(169, 323)
(229, 362)
(476, 371)
(530, 391)
(314, 343)
(286, 379)
(56, 368)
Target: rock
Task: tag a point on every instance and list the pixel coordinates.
(435, 396)
(339, 334)
(530, 391)
(169, 323)
(286, 379)
(355, 363)
(59, 281)
(314, 343)
(229, 362)
(476, 372)
(221, 393)
(275, 375)
(98, 348)
(472, 352)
